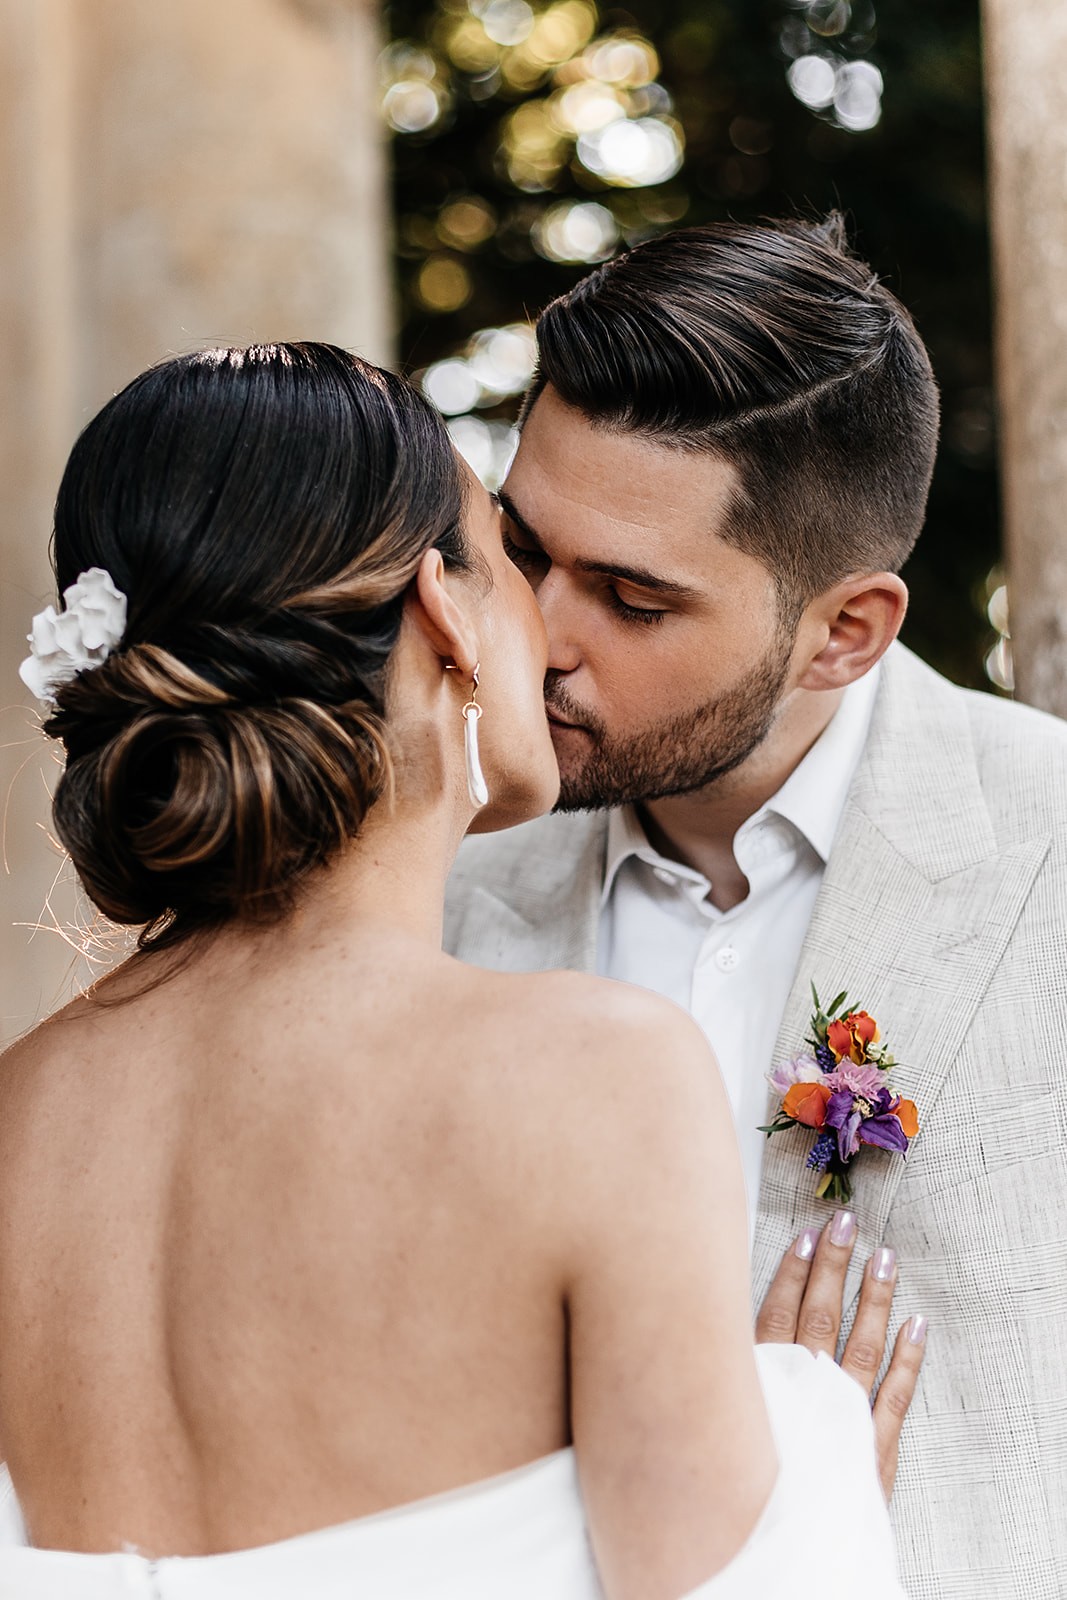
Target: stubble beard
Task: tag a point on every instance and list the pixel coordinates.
(687, 752)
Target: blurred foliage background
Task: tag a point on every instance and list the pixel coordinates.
(533, 140)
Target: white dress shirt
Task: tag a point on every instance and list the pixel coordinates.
(733, 970)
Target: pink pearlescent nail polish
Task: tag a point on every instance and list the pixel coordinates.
(917, 1326)
(884, 1264)
(843, 1229)
(805, 1245)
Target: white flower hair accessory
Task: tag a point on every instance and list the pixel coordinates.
(82, 635)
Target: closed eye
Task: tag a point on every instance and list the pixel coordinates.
(528, 561)
(531, 557)
(633, 613)
(522, 557)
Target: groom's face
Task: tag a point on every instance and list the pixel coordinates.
(667, 652)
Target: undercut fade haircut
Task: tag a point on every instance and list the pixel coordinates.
(773, 347)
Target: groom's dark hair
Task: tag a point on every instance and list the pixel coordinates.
(775, 348)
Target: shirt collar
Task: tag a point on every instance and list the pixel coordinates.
(812, 798)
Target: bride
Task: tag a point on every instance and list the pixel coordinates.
(301, 1221)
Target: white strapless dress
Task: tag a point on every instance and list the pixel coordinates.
(522, 1536)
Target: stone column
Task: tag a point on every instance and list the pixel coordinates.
(172, 176)
(1026, 76)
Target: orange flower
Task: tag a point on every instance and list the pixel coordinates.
(806, 1103)
(851, 1036)
(863, 1026)
(908, 1114)
(839, 1038)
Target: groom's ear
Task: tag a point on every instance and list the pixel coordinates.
(440, 618)
(846, 630)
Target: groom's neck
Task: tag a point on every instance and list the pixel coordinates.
(699, 828)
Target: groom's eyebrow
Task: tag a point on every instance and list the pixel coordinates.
(640, 577)
(504, 499)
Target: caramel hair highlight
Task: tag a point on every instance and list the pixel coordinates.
(264, 511)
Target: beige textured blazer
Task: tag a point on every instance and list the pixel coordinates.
(944, 911)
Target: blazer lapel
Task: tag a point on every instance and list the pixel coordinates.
(914, 913)
(528, 900)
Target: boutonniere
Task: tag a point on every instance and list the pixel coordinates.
(843, 1093)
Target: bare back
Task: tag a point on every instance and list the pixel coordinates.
(325, 1222)
(277, 1248)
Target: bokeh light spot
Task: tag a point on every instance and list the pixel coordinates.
(750, 135)
(813, 80)
(452, 386)
(533, 148)
(503, 359)
(622, 60)
(466, 223)
(1000, 666)
(505, 21)
(487, 447)
(443, 284)
(403, 60)
(997, 609)
(858, 95)
(584, 107)
(829, 18)
(561, 31)
(632, 154)
(471, 48)
(411, 106)
(577, 231)
(999, 661)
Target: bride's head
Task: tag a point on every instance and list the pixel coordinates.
(303, 557)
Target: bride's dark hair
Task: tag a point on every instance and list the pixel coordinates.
(264, 511)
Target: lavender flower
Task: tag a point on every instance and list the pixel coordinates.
(822, 1152)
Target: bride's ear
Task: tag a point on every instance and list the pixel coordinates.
(440, 617)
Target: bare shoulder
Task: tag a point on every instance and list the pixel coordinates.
(615, 1026)
(616, 1065)
(67, 1031)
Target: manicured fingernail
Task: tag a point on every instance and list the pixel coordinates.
(805, 1245)
(883, 1264)
(916, 1330)
(843, 1228)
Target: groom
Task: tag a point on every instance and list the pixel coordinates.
(723, 466)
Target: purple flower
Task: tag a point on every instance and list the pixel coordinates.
(864, 1080)
(886, 1132)
(865, 1119)
(842, 1116)
(822, 1152)
(825, 1057)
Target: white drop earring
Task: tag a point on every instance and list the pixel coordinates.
(472, 711)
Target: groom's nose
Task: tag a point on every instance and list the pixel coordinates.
(560, 614)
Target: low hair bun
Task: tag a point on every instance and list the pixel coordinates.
(188, 807)
(263, 511)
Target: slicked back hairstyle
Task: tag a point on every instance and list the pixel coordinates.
(775, 348)
(264, 511)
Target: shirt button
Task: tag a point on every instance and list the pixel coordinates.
(727, 958)
(664, 876)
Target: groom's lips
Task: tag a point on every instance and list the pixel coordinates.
(560, 722)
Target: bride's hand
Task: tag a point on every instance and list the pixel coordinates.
(803, 1306)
